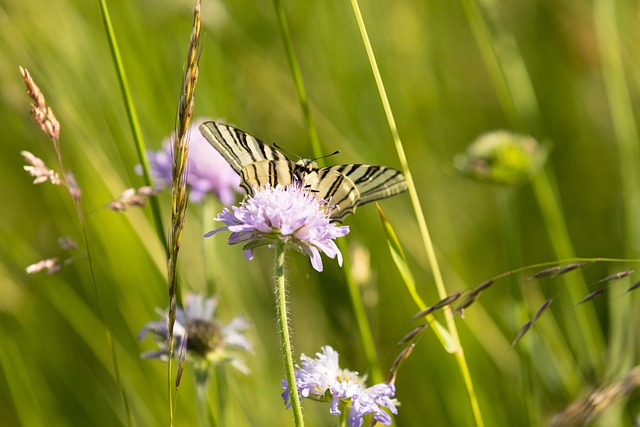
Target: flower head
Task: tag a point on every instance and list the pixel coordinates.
(322, 379)
(502, 157)
(207, 170)
(291, 214)
(205, 337)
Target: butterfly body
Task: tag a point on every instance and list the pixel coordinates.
(344, 186)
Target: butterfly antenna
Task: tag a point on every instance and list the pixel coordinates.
(286, 151)
(327, 155)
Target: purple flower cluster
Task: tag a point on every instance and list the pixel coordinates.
(207, 170)
(321, 378)
(291, 214)
(206, 338)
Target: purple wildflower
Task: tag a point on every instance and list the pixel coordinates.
(291, 214)
(207, 170)
(205, 337)
(369, 401)
(322, 379)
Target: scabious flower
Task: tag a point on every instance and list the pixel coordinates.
(291, 214)
(322, 379)
(207, 170)
(205, 337)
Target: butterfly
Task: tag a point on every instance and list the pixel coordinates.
(344, 186)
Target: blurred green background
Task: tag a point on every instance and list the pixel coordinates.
(54, 357)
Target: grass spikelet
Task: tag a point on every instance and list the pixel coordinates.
(131, 197)
(404, 355)
(49, 124)
(442, 303)
(592, 295)
(616, 276)
(544, 273)
(586, 409)
(634, 287)
(42, 114)
(50, 265)
(39, 170)
(181, 361)
(483, 286)
(472, 297)
(570, 267)
(179, 191)
(527, 326)
(469, 299)
(413, 333)
(523, 330)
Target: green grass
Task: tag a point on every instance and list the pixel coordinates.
(445, 89)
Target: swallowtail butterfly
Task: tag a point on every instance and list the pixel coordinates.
(344, 186)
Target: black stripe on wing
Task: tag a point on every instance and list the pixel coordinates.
(238, 147)
(374, 182)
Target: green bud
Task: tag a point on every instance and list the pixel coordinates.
(502, 157)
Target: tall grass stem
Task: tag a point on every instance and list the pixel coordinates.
(297, 77)
(132, 116)
(511, 81)
(424, 231)
(51, 127)
(622, 314)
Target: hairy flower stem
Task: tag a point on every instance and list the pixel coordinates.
(283, 328)
(362, 323)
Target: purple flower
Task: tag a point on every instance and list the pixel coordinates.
(207, 170)
(206, 338)
(291, 214)
(369, 401)
(322, 379)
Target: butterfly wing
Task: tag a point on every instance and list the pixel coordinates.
(255, 162)
(344, 186)
(349, 186)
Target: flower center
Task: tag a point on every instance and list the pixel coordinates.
(203, 337)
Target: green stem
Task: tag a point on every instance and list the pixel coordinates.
(424, 231)
(132, 115)
(360, 314)
(586, 332)
(77, 202)
(202, 373)
(297, 77)
(513, 86)
(621, 312)
(283, 328)
(222, 390)
(209, 206)
(344, 416)
(362, 323)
